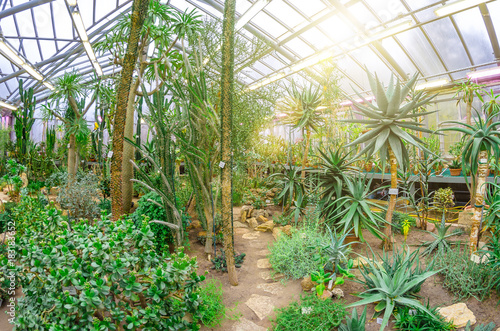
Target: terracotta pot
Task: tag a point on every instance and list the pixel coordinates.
(455, 172)
(352, 238)
(368, 167)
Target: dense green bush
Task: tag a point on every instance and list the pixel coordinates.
(410, 319)
(163, 235)
(310, 313)
(212, 309)
(463, 277)
(105, 276)
(296, 256)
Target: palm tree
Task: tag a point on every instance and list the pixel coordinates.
(482, 140)
(467, 90)
(303, 107)
(386, 121)
(69, 89)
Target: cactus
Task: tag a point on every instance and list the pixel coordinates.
(24, 119)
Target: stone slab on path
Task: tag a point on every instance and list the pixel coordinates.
(273, 288)
(264, 264)
(250, 236)
(246, 325)
(261, 305)
(268, 275)
(264, 252)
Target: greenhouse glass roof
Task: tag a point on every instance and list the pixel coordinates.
(443, 41)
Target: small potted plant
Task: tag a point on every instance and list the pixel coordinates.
(455, 168)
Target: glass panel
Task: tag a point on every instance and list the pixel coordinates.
(387, 10)
(268, 25)
(470, 24)
(355, 72)
(309, 7)
(399, 56)
(316, 38)
(48, 48)
(242, 6)
(284, 13)
(363, 15)
(366, 57)
(102, 9)
(338, 28)
(421, 51)
(262, 68)
(446, 40)
(299, 47)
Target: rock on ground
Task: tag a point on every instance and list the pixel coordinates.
(245, 325)
(459, 314)
(261, 305)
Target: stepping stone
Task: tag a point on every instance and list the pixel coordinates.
(261, 305)
(242, 231)
(264, 264)
(268, 275)
(263, 252)
(459, 314)
(237, 225)
(245, 325)
(273, 288)
(253, 235)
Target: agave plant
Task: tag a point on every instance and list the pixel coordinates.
(482, 139)
(334, 168)
(303, 107)
(291, 185)
(386, 122)
(353, 212)
(336, 250)
(355, 322)
(440, 242)
(392, 284)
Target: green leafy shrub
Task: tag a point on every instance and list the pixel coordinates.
(410, 319)
(212, 309)
(28, 213)
(296, 256)
(81, 198)
(399, 219)
(219, 262)
(310, 313)
(183, 191)
(463, 277)
(163, 235)
(105, 276)
(105, 205)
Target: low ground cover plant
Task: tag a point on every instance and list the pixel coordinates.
(463, 277)
(296, 256)
(411, 319)
(309, 313)
(212, 309)
(101, 276)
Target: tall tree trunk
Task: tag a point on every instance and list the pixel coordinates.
(71, 158)
(128, 151)
(139, 12)
(392, 201)
(482, 170)
(226, 126)
(306, 153)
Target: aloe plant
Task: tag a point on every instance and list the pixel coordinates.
(303, 105)
(393, 284)
(386, 122)
(440, 242)
(355, 322)
(482, 140)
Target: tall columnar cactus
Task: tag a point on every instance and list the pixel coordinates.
(24, 119)
(386, 121)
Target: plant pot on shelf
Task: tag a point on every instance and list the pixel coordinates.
(455, 172)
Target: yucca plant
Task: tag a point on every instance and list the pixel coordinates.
(303, 107)
(482, 140)
(386, 122)
(392, 284)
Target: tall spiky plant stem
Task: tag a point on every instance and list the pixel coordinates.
(139, 12)
(306, 152)
(392, 200)
(226, 126)
(482, 172)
